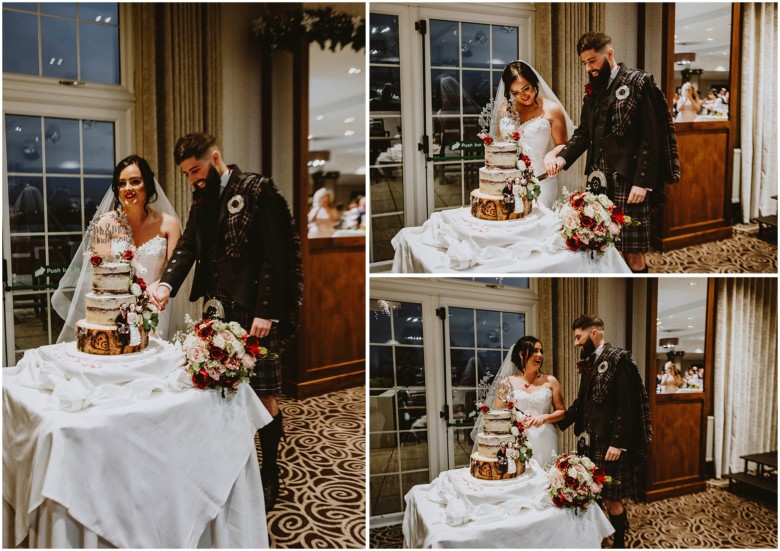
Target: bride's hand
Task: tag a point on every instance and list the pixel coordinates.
(535, 421)
(551, 164)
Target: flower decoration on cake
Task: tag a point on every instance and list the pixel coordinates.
(591, 222)
(527, 181)
(220, 354)
(575, 482)
(96, 260)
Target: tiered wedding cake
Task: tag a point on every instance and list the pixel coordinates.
(501, 451)
(501, 195)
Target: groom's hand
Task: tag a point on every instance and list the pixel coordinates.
(636, 195)
(260, 327)
(160, 297)
(613, 454)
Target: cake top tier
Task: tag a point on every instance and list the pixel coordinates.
(501, 147)
(499, 414)
(112, 268)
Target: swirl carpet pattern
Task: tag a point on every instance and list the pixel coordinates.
(743, 253)
(322, 503)
(714, 519)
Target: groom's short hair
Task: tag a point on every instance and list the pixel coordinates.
(587, 321)
(593, 41)
(195, 145)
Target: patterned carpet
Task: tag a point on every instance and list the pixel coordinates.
(322, 503)
(745, 252)
(716, 518)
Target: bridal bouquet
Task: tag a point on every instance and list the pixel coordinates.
(590, 222)
(575, 481)
(220, 354)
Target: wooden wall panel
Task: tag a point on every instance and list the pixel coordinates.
(677, 439)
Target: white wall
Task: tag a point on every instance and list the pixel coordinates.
(621, 24)
(241, 132)
(612, 309)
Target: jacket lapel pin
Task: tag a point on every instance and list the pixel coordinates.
(236, 204)
(603, 366)
(622, 92)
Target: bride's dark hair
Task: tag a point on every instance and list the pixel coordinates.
(514, 70)
(523, 350)
(146, 175)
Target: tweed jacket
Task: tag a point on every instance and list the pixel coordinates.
(639, 141)
(613, 403)
(257, 254)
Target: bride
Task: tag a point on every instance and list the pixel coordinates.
(124, 215)
(526, 104)
(538, 396)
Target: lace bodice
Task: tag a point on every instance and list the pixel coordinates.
(535, 138)
(538, 402)
(151, 255)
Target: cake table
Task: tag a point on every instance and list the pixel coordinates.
(459, 511)
(454, 241)
(98, 457)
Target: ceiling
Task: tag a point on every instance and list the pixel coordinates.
(705, 29)
(682, 313)
(336, 107)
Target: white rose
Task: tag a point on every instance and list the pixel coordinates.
(588, 211)
(521, 165)
(236, 328)
(248, 361)
(514, 431)
(229, 337)
(218, 341)
(614, 228)
(135, 289)
(571, 221)
(147, 315)
(191, 342)
(604, 200)
(197, 355)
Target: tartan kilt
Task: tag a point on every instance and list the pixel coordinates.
(620, 470)
(266, 379)
(633, 239)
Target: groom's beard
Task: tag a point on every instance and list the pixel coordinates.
(210, 191)
(600, 82)
(587, 349)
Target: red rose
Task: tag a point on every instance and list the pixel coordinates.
(140, 282)
(510, 404)
(588, 90)
(487, 140)
(573, 243)
(587, 221)
(205, 331)
(252, 345)
(526, 160)
(515, 135)
(216, 353)
(519, 426)
(570, 482)
(599, 476)
(564, 465)
(559, 500)
(95, 260)
(618, 216)
(128, 255)
(577, 201)
(484, 409)
(201, 379)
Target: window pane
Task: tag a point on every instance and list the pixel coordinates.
(62, 146)
(385, 494)
(444, 43)
(383, 229)
(385, 89)
(411, 408)
(387, 189)
(408, 480)
(463, 403)
(384, 39)
(58, 40)
(414, 450)
(31, 325)
(504, 45)
(409, 366)
(445, 92)
(99, 12)
(472, 148)
(461, 327)
(23, 143)
(99, 53)
(63, 198)
(446, 138)
(94, 191)
(25, 204)
(26, 6)
(476, 91)
(98, 147)
(384, 453)
(62, 249)
(381, 367)
(407, 323)
(20, 43)
(491, 362)
(379, 322)
(463, 368)
(488, 329)
(67, 9)
(475, 46)
(513, 327)
(463, 445)
(382, 411)
(385, 140)
(447, 186)
(27, 254)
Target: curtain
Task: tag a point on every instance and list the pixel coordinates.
(745, 370)
(571, 298)
(758, 110)
(178, 86)
(178, 89)
(557, 29)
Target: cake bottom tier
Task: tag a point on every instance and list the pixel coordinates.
(104, 340)
(488, 469)
(489, 207)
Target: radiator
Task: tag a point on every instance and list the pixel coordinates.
(710, 439)
(736, 170)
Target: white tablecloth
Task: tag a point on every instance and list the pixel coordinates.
(168, 468)
(458, 511)
(454, 241)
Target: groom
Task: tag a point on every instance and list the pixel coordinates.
(627, 130)
(611, 415)
(246, 253)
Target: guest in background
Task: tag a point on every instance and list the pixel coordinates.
(671, 381)
(688, 106)
(322, 216)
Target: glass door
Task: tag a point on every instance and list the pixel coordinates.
(464, 61)
(476, 342)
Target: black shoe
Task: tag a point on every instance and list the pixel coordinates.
(642, 271)
(620, 523)
(270, 436)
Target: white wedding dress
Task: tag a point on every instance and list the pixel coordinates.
(535, 140)
(543, 440)
(151, 256)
